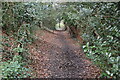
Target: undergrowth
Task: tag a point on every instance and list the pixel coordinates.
(15, 53)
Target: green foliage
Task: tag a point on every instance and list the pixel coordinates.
(18, 49)
(102, 39)
(14, 65)
(103, 56)
(16, 24)
(14, 68)
(24, 34)
(99, 24)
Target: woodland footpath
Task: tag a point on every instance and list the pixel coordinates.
(89, 47)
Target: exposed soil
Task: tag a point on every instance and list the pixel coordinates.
(58, 56)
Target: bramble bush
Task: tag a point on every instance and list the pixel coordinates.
(14, 68)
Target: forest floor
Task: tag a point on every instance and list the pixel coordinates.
(57, 55)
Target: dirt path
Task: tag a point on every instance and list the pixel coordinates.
(58, 56)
